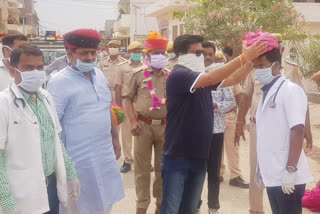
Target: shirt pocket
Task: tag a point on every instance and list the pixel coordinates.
(144, 91)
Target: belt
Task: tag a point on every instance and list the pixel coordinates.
(151, 121)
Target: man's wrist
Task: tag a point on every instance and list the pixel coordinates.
(291, 169)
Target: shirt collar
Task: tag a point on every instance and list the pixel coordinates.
(151, 71)
(78, 73)
(115, 61)
(266, 88)
(29, 98)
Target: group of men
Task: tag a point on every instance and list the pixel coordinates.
(58, 148)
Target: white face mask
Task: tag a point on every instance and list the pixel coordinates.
(193, 62)
(113, 51)
(264, 75)
(31, 81)
(6, 46)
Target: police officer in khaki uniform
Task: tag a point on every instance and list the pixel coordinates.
(111, 64)
(122, 78)
(148, 88)
(172, 59)
(250, 99)
(232, 151)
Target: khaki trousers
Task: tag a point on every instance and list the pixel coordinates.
(255, 193)
(126, 137)
(232, 151)
(151, 137)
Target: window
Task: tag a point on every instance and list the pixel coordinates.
(174, 32)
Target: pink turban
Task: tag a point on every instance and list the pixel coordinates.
(271, 40)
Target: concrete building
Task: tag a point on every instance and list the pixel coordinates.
(162, 11)
(310, 10)
(132, 23)
(29, 19)
(18, 16)
(108, 29)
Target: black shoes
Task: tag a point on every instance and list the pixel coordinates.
(239, 182)
(125, 168)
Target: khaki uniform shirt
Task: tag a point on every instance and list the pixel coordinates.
(171, 63)
(137, 89)
(109, 69)
(124, 74)
(252, 88)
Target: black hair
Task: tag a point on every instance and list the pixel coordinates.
(183, 42)
(9, 39)
(209, 45)
(27, 49)
(228, 51)
(273, 56)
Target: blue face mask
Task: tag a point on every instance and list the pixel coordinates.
(264, 75)
(135, 57)
(85, 66)
(171, 55)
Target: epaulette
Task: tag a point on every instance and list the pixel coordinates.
(141, 68)
(106, 57)
(166, 69)
(124, 60)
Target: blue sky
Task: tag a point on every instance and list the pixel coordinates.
(67, 15)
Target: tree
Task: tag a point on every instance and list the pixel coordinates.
(226, 21)
(309, 55)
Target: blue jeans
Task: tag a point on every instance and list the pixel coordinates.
(52, 194)
(286, 204)
(182, 185)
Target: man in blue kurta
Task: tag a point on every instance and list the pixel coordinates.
(82, 98)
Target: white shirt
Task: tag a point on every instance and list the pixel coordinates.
(274, 129)
(5, 77)
(19, 138)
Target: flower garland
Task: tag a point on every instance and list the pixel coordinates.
(155, 99)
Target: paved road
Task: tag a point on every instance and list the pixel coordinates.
(233, 200)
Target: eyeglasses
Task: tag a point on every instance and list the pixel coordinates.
(197, 52)
(263, 66)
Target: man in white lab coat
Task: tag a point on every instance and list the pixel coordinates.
(280, 119)
(35, 171)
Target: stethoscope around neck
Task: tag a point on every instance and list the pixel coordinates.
(17, 100)
(273, 103)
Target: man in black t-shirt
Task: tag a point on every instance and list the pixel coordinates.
(190, 120)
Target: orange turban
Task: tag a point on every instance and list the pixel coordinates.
(155, 41)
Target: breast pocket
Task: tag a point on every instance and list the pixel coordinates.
(144, 91)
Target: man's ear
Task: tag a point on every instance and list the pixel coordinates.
(11, 70)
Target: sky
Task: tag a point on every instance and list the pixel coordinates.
(66, 15)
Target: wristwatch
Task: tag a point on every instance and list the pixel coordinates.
(291, 169)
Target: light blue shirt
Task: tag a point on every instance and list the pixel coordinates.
(84, 112)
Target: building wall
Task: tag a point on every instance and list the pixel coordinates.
(108, 28)
(3, 15)
(140, 25)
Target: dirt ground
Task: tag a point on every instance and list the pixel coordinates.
(233, 200)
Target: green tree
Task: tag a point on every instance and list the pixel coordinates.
(226, 21)
(309, 55)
